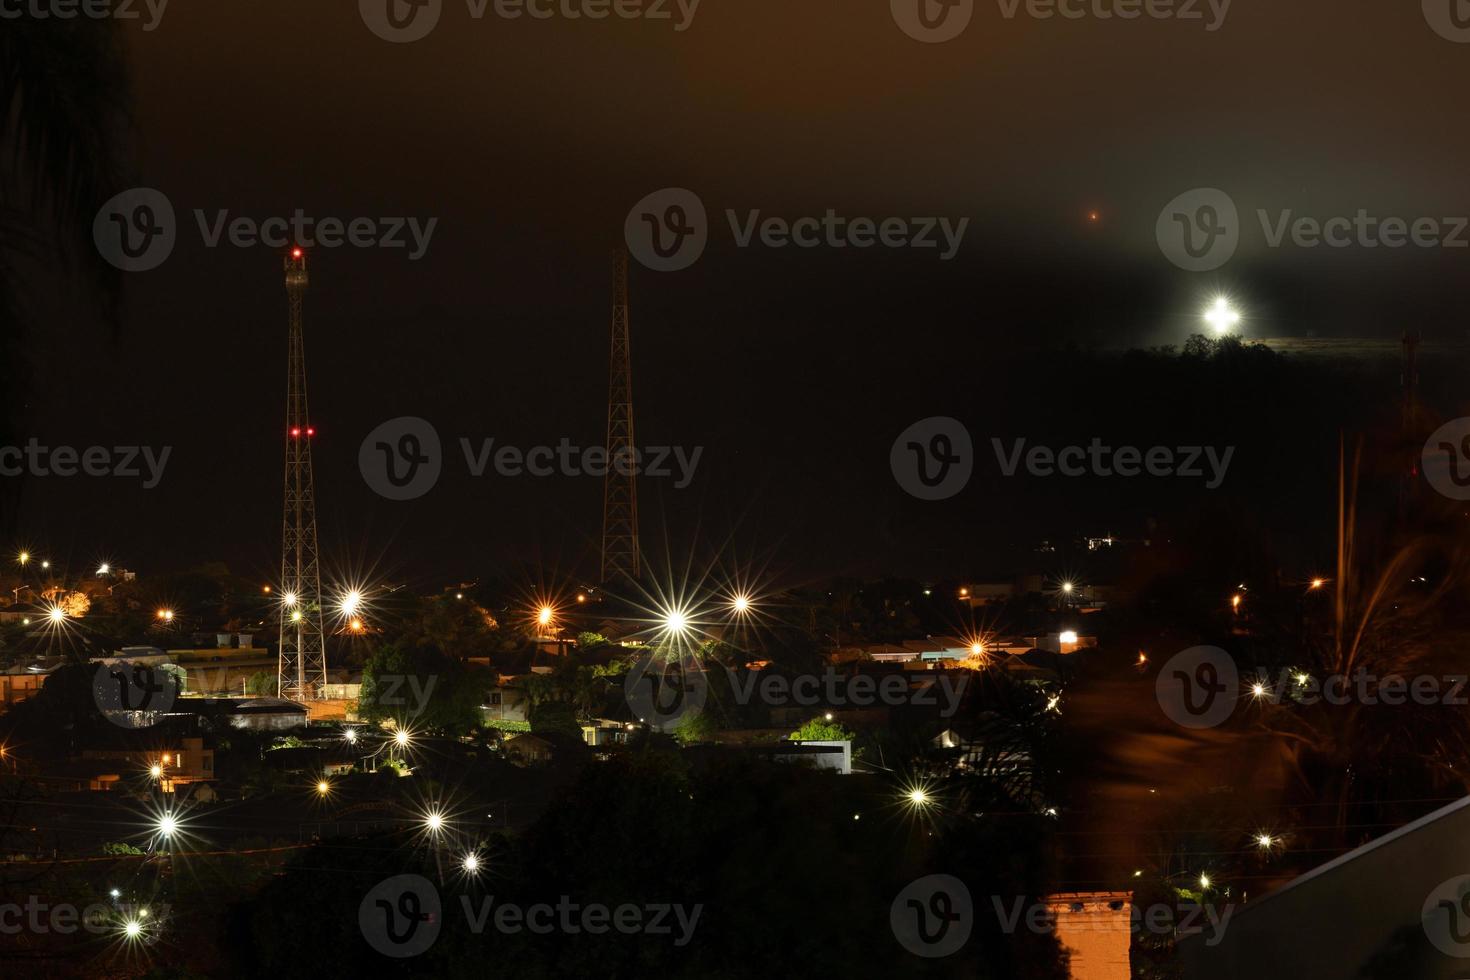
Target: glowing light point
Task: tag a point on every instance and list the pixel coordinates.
(741, 604)
(471, 863)
(1204, 881)
(350, 734)
(56, 614)
(918, 797)
(323, 787)
(168, 825)
(1266, 841)
(1221, 317)
(132, 928)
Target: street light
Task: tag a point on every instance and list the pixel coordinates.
(24, 557)
(471, 863)
(56, 614)
(323, 787)
(351, 603)
(741, 604)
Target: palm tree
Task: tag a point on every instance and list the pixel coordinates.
(62, 133)
(1383, 624)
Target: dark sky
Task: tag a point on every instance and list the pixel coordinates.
(795, 369)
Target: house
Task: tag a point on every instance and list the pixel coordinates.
(528, 749)
(1097, 929)
(507, 702)
(1398, 903)
(22, 679)
(259, 714)
(890, 653)
(176, 760)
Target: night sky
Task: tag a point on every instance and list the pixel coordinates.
(794, 369)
